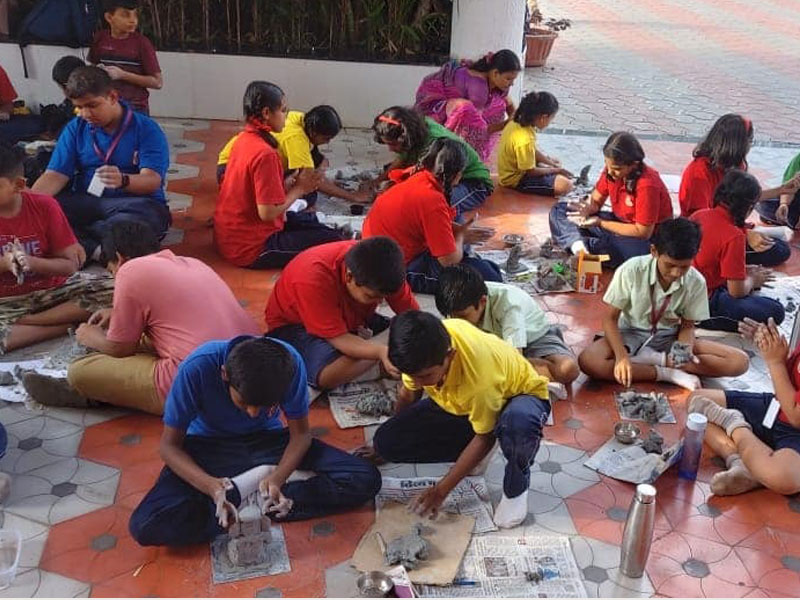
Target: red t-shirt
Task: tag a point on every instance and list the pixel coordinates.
(415, 213)
(722, 250)
(43, 230)
(134, 54)
(698, 183)
(7, 91)
(254, 176)
(315, 275)
(648, 205)
(793, 366)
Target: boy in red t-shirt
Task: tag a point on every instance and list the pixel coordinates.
(41, 295)
(127, 55)
(639, 203)
(324, 305)
(758, 435)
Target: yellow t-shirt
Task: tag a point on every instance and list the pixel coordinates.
(485, 373)
(293, 143)
(225, 153)
(516, 154)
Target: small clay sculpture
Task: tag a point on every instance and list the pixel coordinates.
(375, 405)
(680, 354)
(583, 177)
(249, 536)
(535, 576)
(409, 549)
(7, 378)
(653, 443)
(513, 264)
(650, 407)
(555, 276)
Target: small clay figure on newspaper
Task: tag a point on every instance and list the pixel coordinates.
(409, 549)
(654, 443)
(375, 405)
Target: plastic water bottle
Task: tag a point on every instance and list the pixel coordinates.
(638, 533)
(692, 446)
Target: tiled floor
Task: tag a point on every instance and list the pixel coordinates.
(79, 474)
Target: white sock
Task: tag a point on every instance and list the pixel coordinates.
(678, 377)
(648, 356)
(578, 247)
(511, 511)
(557, 390)
(247, 482)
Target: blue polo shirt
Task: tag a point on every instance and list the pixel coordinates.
(199, 402)
(143, 146)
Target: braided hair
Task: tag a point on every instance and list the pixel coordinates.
(624, 149)
(446, 160)
(258, 96)
(403, 125)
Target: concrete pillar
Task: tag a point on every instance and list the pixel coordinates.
(481, 26)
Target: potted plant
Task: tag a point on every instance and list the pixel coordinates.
(540, 35)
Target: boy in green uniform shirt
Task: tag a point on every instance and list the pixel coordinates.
(784, 210)
(479, 389)
(654, 302)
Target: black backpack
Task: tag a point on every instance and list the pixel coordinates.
(66, 22)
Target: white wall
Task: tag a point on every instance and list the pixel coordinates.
(481, 26)
(211, 86)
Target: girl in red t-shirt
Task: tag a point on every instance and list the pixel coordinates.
(758, 435)
(725, 147)
(416, 213)
(252, 223)
(639, 202)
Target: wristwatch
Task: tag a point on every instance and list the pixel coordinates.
(126, 181)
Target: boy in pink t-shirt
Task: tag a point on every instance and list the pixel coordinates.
(164, 307)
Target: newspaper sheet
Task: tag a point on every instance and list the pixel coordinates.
(528, 277)
(508, 567)
(15, 392)
(632, 463)
(469, 497)
(343, 402)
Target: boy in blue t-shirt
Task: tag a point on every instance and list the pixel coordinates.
(110, 164)
(223, 440)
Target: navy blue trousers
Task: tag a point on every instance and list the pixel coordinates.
(726, 311)
(423, 272)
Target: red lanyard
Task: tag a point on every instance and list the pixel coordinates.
(115, 141)
(655, 317)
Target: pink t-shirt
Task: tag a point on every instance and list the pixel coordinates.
(178, 303)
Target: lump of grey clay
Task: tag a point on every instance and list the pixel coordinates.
(680, 354)
(408, 549)
(247, 550)
(653, 443)
(512, 264)
(647, 407)
(7, 378)
(375, 405)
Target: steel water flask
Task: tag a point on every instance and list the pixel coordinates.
(638, 534)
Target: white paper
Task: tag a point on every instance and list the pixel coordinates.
(96, 186)
(497, 567)
(527, 278)
(469, 497)
(631, 463)
(16, 393)
(771, 414)
(344, 398)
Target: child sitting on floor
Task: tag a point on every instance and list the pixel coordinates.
(654, 302)
(252, 227)
(758, 449)
(479, 390)
(721, 258)
(417, 214)
(325, 300)
(510, 314)
(41, 295)
(518, 158)
(639, 202)
(784, 210)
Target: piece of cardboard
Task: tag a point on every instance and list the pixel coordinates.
(448, 537)
(590, 267)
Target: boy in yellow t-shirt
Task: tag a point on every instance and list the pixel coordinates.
(480, 389)
(298, 148)
(518, 159)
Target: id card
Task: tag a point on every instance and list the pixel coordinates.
(771, 414)
(96, 186)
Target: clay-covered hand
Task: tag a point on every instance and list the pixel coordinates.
(275, 503)
(364, 196)
(782, 213)
(681, 355)
(623, 371)
(772, 344)
(110, 175)
(759, 276)
(101, 318)
(86, 334)
(583, 221)
(225, 511)
(387, 365)
(759, 242)
(748, 328)
(428, 503)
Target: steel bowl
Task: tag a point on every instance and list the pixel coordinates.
(626, 432)
(512, 239)
(374, 584)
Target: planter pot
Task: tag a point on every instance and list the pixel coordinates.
(539, 43)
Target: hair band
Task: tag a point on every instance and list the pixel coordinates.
(390, 120)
